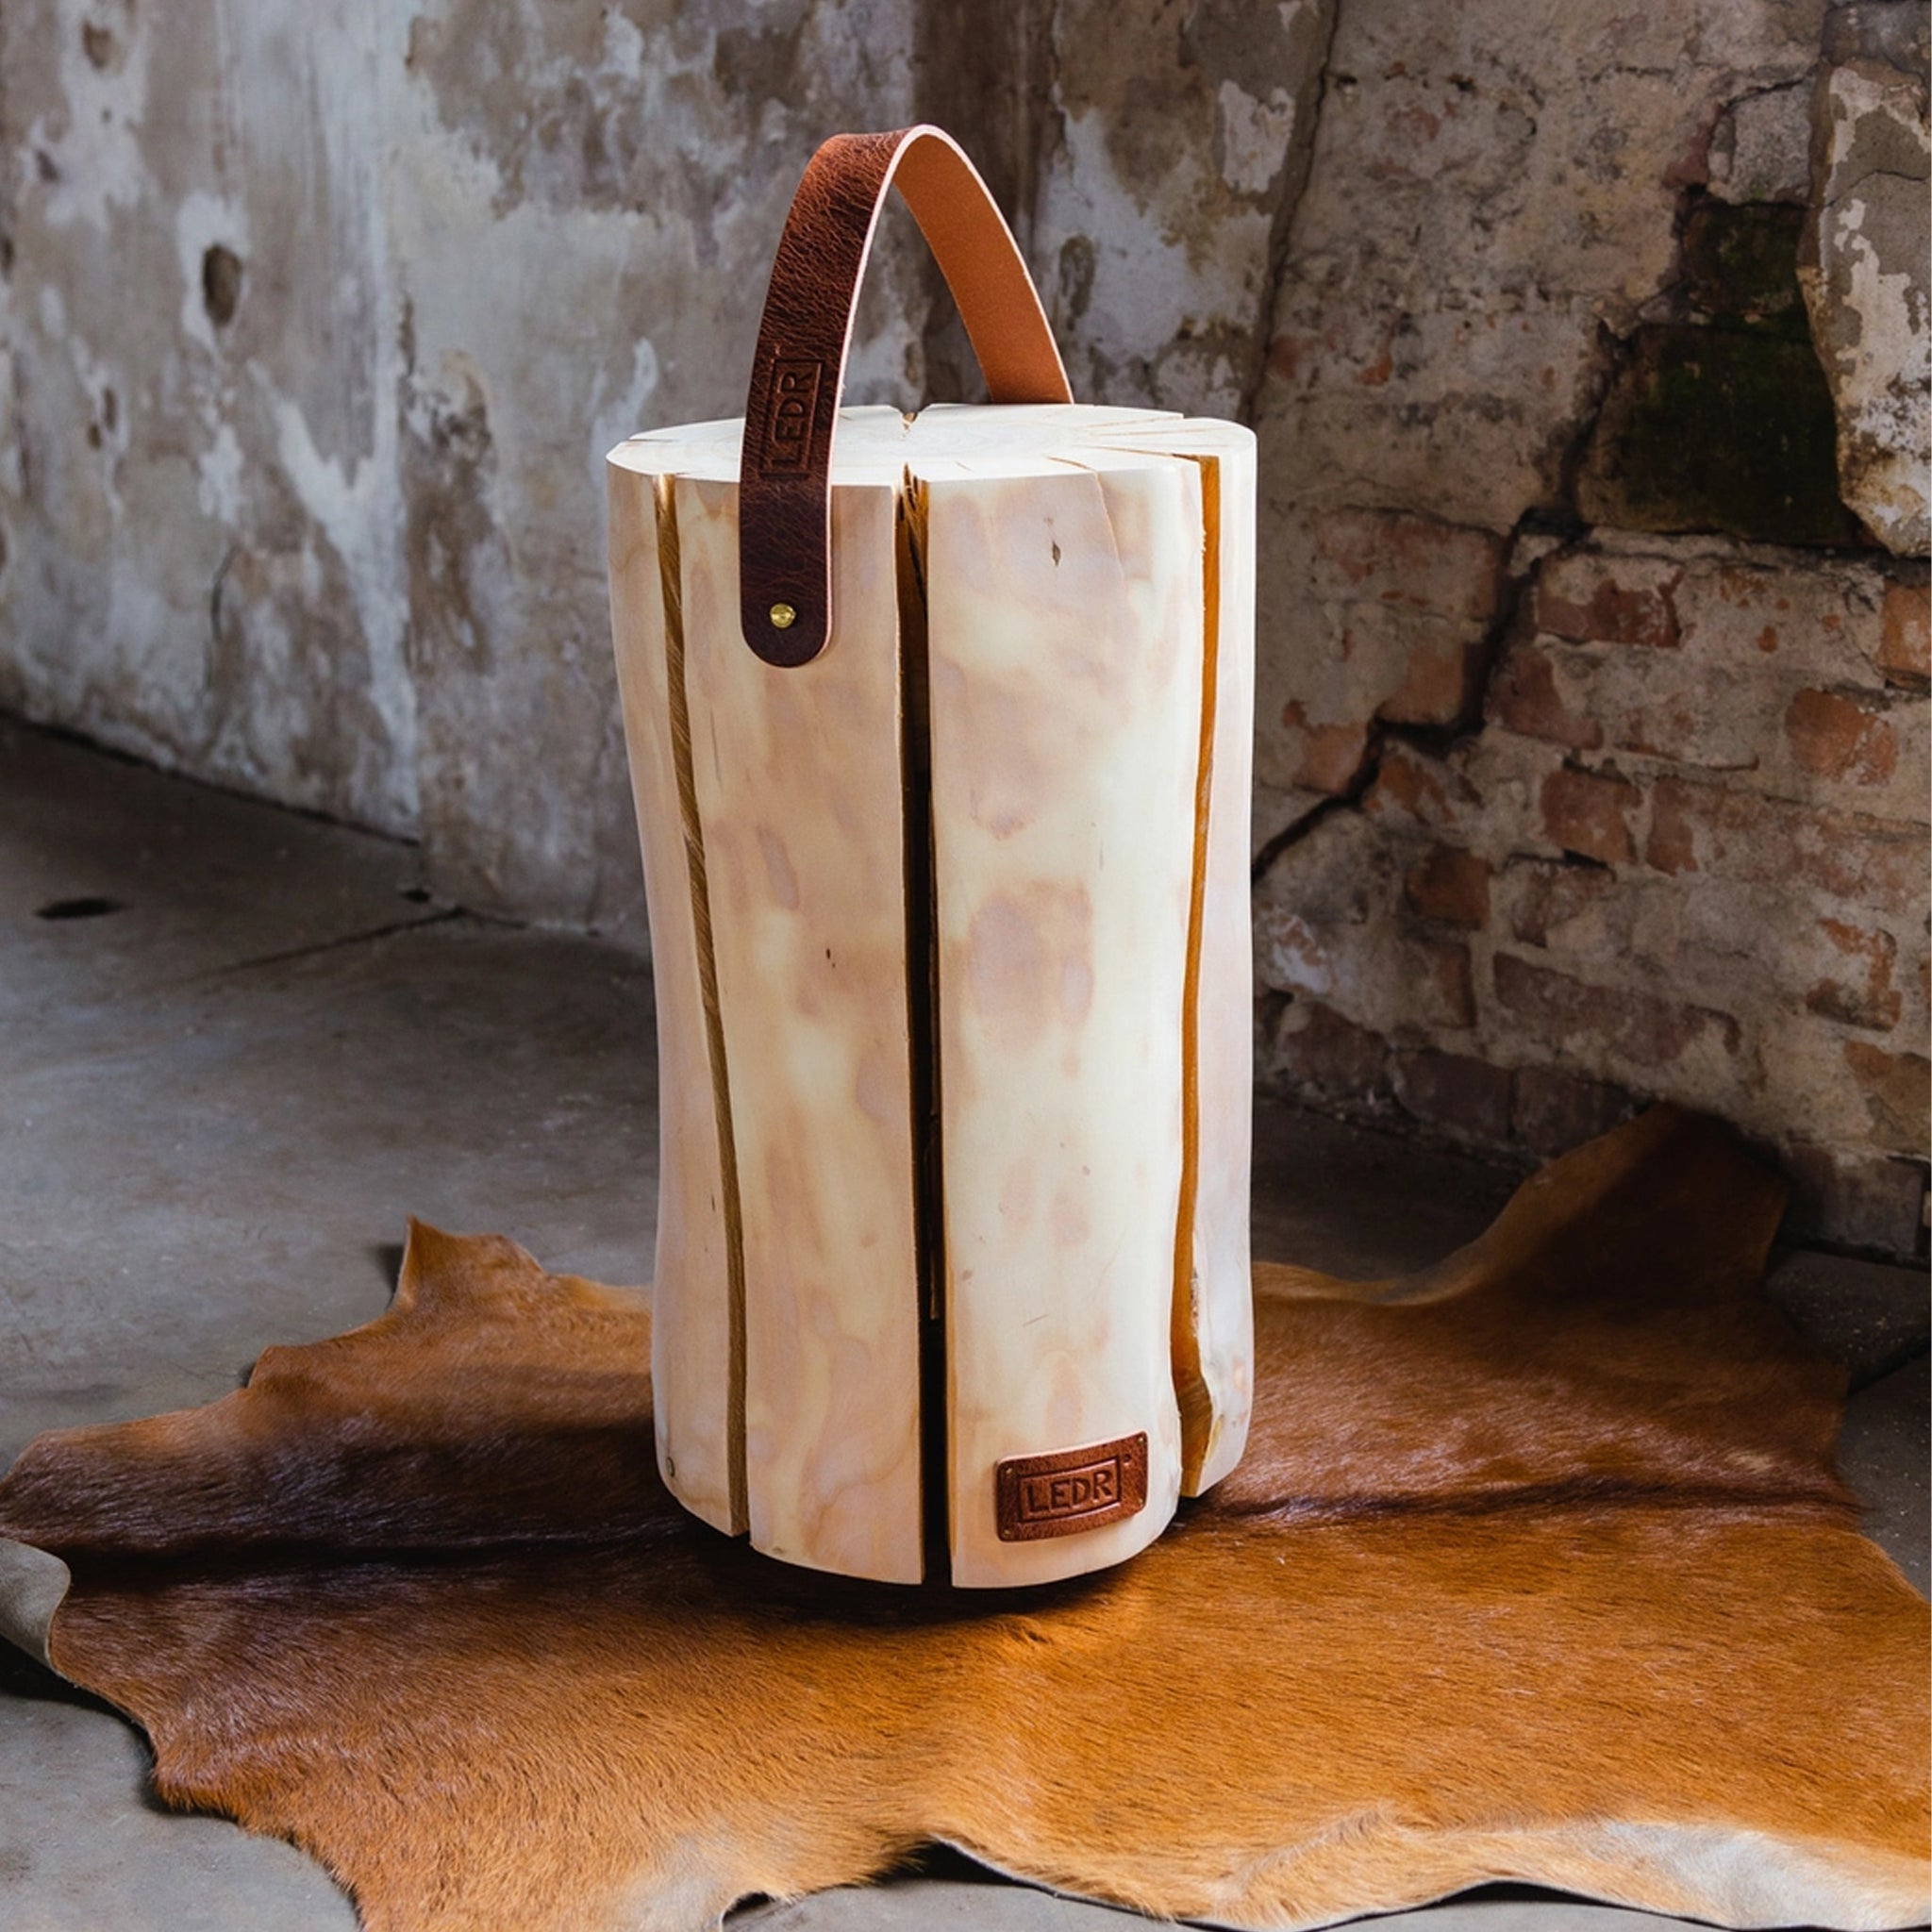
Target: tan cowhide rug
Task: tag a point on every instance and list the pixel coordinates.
(1538, 1568)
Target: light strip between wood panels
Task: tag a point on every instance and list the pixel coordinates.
(669, 566)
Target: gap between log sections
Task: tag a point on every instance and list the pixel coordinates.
(1192, 1396)
(668, 569)
(923, 1038)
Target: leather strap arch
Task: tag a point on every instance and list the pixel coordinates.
(798, 373)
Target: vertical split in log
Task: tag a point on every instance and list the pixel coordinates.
(951, 928)
(1191, 1393)
(922, 1010)
(670, 561)
(1220, 1025)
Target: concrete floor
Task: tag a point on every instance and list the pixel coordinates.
(224, 1095)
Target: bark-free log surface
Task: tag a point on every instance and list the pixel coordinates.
(1537, 1569)
(800, 793)
(1064, 626)
(1030, 1006)
(1213, 1327)
(698, 1435)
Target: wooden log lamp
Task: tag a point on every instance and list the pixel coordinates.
(939, 729)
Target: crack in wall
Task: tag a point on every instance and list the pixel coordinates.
(1440, 740)
(1281, 235)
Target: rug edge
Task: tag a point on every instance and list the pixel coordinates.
(1736, 1877)
(33, 1585)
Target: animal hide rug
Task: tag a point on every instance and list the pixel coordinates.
(1538, 1568)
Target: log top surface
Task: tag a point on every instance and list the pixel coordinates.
(877, 444)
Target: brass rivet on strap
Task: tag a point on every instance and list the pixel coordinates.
(783, 617)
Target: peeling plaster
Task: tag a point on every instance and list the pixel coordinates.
(203, 220)
(583, 203)
(1865, 279)
(1254, 137)
(158, 454)
(220, 466)
(1177, 152)
(357, 507)
(92, 141)
(618, 417)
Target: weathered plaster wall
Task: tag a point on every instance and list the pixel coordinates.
(584, 200)
(202, 505)
(318, 322)
(1587, 345)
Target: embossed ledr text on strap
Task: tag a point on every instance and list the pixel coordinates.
(791, 421)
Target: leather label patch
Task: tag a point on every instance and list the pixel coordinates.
(793, 410)
(1071, 1491)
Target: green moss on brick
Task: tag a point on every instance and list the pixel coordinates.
(1718, 429)
(1723, 421)
(1740, 265)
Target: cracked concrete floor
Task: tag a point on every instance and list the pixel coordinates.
(255, 1043)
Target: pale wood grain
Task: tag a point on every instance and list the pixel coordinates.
(1214, 1327)
(801, 795)
(1064, 614)
(692, 1343)
(1213, 1339)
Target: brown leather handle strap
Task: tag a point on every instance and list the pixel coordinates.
(798, 375)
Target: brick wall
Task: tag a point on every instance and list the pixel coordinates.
(1593, 718)
(1644, 817)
